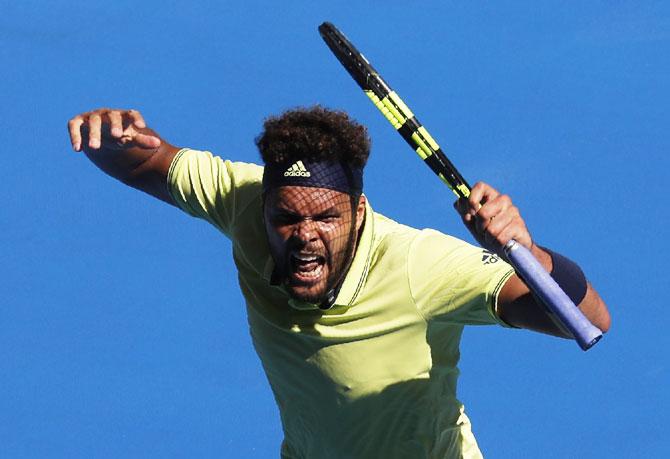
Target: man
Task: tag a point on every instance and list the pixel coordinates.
(356, 318)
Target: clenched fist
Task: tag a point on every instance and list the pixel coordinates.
(493, 219)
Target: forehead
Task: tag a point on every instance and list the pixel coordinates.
(305, 199)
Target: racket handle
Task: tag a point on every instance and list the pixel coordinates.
(559, 305)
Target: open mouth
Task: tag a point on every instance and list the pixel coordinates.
(307, 268)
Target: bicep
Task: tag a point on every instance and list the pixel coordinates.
(518, 307)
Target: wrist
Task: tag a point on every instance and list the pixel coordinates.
(542, 255)
(568, 275)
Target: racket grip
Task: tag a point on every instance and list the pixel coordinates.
(559, 305)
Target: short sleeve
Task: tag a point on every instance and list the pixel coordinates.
(454, 281)
(216, 190)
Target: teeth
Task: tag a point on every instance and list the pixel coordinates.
(307, 266)
(305, 257)
(312, 274)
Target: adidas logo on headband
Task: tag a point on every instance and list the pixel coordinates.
(297, 170)
(333, 175)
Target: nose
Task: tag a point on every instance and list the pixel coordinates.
(306, 230)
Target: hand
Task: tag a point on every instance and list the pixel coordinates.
(492, 219)
(111, 128)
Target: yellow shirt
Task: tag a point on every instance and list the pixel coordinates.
(375, 375)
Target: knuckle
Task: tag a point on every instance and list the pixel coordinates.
(486, 212)
(503, 236)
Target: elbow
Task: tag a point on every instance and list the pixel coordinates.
(605, 321)
(598, 313)
(595, 309)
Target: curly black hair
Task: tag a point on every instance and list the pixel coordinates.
(313, 134)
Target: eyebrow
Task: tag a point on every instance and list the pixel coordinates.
(329, 211)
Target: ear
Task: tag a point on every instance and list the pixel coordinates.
(360, 212)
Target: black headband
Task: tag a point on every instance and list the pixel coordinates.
(338, 176)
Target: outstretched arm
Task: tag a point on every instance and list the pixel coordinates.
(122, 146)
(493, 220)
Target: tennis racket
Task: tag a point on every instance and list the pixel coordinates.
(559, 306)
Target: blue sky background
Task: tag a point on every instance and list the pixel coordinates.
(122, 330)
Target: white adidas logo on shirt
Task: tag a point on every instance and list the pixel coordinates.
(297, 170)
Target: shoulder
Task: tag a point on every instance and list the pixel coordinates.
(391, 234)
(427, 250)
(432, 247)
(222, 192)
(211, 178)
(202, 162)
(394, 242)
(392, 238)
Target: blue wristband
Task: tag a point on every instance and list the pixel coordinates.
(568, 276)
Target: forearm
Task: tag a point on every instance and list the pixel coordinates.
(493, 221)
(520, 308)
(595, 310)
(121, 145)
(572, 280)
(121, 163)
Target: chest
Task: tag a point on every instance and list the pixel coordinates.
(351, 351)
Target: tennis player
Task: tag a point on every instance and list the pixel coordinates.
(357, 319)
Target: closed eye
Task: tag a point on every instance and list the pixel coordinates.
(327, 217)
(286, 219)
